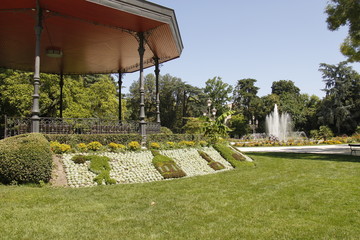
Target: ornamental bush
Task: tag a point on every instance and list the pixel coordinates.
(60, 148)
(79, 159)
(115, 147)
(154, 145)
(134, 146)
(94, 146)
(82, 147)
(25, 158)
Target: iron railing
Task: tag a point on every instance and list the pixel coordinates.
(15, 126)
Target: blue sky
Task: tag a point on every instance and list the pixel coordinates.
(265, 40)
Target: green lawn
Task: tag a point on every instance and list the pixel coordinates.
(286, 196)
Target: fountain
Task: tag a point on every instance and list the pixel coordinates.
(278, 125)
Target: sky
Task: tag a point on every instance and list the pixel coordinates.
(260, 39)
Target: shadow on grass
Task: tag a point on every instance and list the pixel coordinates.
(307, 156)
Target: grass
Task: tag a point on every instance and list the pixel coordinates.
(286, 196)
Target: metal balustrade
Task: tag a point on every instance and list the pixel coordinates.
(15, 126)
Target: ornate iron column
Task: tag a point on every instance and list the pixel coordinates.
(120, 86)
(142, 89)
(35, 119)
(157, 71)
(61, 94)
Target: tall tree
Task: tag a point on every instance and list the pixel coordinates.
(246, 100)
(219, 93)
(346, 13)
(340, 107)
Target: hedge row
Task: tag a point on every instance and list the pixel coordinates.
(25, 158)
(105, 139)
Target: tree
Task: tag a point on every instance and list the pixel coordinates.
(346, 12)
(284, 86)
(219, 93)
(246, 100)
(340, 107)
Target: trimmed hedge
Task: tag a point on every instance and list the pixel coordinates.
(124, 139)
(232, 157)
(104, 139)
(25, 158)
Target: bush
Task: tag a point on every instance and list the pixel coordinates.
(104, 139)
(25, 158)
(187, 143)
(59, 148)
(134, 146)
(94, 146)
(100, 165)
(154, 145)
(79, 159)
(167, 167)
(82, 147)
(114, 147)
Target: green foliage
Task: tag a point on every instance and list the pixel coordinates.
(100, 165)
(163, 138)
(94, 146)
(216, 129)
(346, 13)
(25, 158)
(166, 166)
(325, 132)
(245, 98)
(219, 93)
(79, 159)
(194, 125)
(104, 139)
(59, 148)
(238, 125)
(340, 108)
(229, 155)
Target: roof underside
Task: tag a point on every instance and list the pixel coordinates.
(95, 36)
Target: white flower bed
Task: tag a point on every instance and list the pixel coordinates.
(189, 161)
(215, 155)
(133, 167)
(78, 175)
(137, 167)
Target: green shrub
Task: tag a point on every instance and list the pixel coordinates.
(104, 139)
(229, 155)
(25, 158)
(100, 165)
(79, 159)
(94, 146)
(167, 167)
